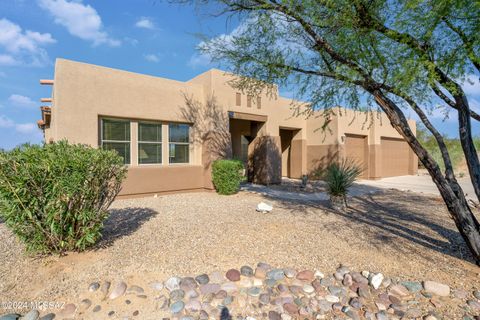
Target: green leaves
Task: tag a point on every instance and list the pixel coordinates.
(227, 175)
(341, 176)
(55, 197)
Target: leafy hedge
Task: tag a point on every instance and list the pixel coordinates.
(227, 175)
(55, 197)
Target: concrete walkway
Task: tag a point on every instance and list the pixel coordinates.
(419, 184)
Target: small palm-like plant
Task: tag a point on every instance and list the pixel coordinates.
(339, 178)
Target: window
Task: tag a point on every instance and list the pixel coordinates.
(149, 143)
(259, 102)
(179, 146)
(249, 101)
(238, 99)
(116, 136)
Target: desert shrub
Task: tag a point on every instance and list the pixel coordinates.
(227, 176)
(55, 197)
(341, 176)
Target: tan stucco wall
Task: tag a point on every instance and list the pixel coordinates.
(83, 93)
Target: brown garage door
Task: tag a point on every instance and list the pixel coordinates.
(395, 157)
(356, 149)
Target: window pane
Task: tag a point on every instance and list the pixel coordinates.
(116, 130)
(150, 132)
(123, 149)
(178, 132)
(179, 153)
(149, 153)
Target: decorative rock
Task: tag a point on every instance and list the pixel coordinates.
(437, 288)
(177, 307)
(104, 288)
(382, 315)
(319, 275)
(10, 316)
(111, 313)
(84, 304)
(68, 311)
(176, 295)
(364, 292)
(246, 271)
(135, 313)
(291, 308)
(286, 316)
(245, 283)
(222, 294)
(332, 299)
(398, 290)
(97, 308)
(355, 303)
(209, 288)
(290, 273)
(264, 298)
(412, 286)
(359, 278)
(188, 283)
(233, 275)
(476, 294)
(193, 306)
(273, 315)
(473, 304)
(254, 291)
(276, 274)
(264, 207)
(347, 280)
(48, 316)
(308, 288)
(156, 285)
(202, 279)
(260, 273)
(118, 291)
(203, 315)
(93, 286)
(135, 290)
(161, 303)
(191, 294)
(376, 280)
(31, 315)
(306, 275)
(173, 283)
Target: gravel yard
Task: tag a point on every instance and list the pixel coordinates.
(148, 239)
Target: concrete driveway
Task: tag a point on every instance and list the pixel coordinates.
(419, 183)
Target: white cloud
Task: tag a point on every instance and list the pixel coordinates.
(22, 47)
(22, 101)
(24, 128)
(145, 23)
(472, 85)
(151, 58)
(81, 20)
(198, 60)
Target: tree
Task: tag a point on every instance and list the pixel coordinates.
(396, 54)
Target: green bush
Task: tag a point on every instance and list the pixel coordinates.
(55, 197)
(341, 176)
(227, 175)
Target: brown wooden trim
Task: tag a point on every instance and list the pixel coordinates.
(47, 82)
(247, 116)
(46, 100)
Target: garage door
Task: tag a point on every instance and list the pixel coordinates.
(356, 148)
(395, 157)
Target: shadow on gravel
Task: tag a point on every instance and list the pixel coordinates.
(396, 219)
(123, 222)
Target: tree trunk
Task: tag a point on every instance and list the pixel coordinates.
(450, 190)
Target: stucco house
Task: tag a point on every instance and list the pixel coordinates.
(169, 132)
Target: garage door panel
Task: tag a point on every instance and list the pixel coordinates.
(395, 157)
(356, 149)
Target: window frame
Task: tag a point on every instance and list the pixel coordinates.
(179, 143)
(102, 140)
(149, 142)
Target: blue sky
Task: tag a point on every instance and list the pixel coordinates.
(145, 36)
